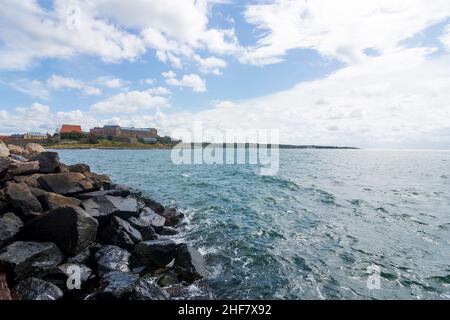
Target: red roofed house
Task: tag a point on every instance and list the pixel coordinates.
(67, 128)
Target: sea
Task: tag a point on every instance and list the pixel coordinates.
(330, 224)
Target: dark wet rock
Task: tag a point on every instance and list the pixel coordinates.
(147, 289)
(99, 180)
(50, 200)
(154, 253)
(71, 228)
(10, 225)
(166, 231)
(31, 181)
(20, 168)
(36, 289)
(112, 192)
(173, 216)
(167, 279)
(189, 263)
(116, 286)
(22, 199)
(70, 276)
(197, 291)
(151, 218)
(81, 258)
(66, 183)
(112, 258)
(81, 168)
(147, 231)
(100, 208)
(48, 162)
(120, 233)
(23, 259)
(152, 204)
(126, 207)
(4, 165)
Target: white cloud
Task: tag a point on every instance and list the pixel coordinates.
(56, 82)
(445, 38)
(129, 102)
(112, 82)
(224, 104)
(210, 65)
(33, 88)
(188, 80)
(161, 91)
(337, 29)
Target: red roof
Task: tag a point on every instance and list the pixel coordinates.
(67, 128)
(3, 138)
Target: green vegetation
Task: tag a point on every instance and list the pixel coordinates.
(73, 136)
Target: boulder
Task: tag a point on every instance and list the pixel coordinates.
(126, 207)
(71, 228)
(50, 200)
(4, 165)
(81, 258)
(166, 231)
(34, 149)
(31, 181)
(147, 289)
(24, 259)
(100, 180)
(110, 192)
(66, 183)
(22, 199)
(154, 253)
(18, 158)
(116, 286)
(36, 289)
(60, 275)
(4, 151)
(10, 225)
(81, 168)
(17, 150)
(120, 233)
(168, 278)
(152, 204)
(173, 216)
(100, 208)
(147, 231)
(48, 162)
(189, 263)
(151, 218)
(112, 258)
(21, 168)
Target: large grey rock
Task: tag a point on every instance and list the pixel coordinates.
(152, 204)
(147, 289)
(112, 192)
(36, 289)
(151, 218)
(126, 207)
(20, 168)
(24, 259)
(112, 258)
(102, 207)
(50, 200)
(146, 230)
(4, 151)
(81, 168)
(116, 286)
(22, 199)
(4, 165)
(154, 253)
(17, 150)
(81, 258)
(31, 181)
(66, 184)
(48, 162)
(34, 149)
(120, 233)
(189, 263)
(10, 225)
(173, 216)
(71, 228)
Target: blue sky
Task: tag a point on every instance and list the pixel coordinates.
(348, 73)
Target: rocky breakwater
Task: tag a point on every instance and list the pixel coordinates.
(68, 233)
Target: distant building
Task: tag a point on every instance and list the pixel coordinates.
(117, 132)
(35, 136)
(149, 140)
(68, 128)
(3, 138)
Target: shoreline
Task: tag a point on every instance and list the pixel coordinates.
(67, 233)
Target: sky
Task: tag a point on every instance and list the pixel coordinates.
(371, 74)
